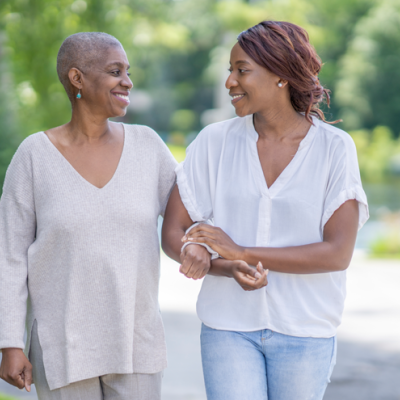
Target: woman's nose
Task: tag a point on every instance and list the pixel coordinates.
(230, 82)
(127, 82)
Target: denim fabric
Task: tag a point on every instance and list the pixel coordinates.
(265, 365)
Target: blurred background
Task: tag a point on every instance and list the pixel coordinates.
(179, 56)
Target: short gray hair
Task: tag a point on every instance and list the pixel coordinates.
(81, 50)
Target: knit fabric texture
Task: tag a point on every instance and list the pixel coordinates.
(84, 262)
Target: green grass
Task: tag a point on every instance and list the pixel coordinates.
(5, 397)
(179, 152)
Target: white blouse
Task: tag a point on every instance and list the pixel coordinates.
(222, 179)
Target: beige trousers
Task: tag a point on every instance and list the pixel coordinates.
(106, 387)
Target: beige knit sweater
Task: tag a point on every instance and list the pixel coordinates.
(86, 260)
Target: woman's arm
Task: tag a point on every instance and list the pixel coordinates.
(196, 260)
(17, 233)
(332, 254)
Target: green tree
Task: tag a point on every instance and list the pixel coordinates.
(9, 137)
(368, 88)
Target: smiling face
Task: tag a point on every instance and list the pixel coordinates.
(105, 88)
(252, 87)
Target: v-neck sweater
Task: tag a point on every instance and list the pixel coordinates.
(222, 179)
(86, 260)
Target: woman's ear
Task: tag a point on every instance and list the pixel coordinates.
(75, 77)
(282, 83)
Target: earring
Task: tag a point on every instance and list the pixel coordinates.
(78, 96)
(280, 84)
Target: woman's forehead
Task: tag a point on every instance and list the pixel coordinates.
(114, 57)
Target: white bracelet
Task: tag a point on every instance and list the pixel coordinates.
(213, 253)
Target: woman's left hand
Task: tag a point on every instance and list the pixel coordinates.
(216, 238)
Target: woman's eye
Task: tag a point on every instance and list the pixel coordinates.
(242, 70)
(116, 73)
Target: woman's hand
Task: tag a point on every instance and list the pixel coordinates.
(196, 261)
(249, 278)
(216, 238)
(16, 369)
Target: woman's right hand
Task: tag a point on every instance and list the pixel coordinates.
(16, 369)
(247, 277)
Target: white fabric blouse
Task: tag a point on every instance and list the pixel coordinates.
(222, 179)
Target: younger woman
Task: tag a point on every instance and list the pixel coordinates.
(284, 190)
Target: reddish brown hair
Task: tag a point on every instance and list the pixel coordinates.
(284, 49)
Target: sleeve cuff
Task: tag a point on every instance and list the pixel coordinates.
(356, 193)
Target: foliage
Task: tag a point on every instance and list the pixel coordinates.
(179, 152)
(8, 131)
(368, 90)
(378, 153)
(167, 43)
(388, 244)
(177, 50)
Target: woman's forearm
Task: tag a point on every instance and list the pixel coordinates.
(308, 259)
(221, 267)
(171, 242)
(333, 253)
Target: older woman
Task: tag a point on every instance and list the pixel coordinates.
(284, 190)
(78, 240)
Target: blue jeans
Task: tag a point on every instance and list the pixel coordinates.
(265, 365)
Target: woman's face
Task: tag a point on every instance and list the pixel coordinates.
(252, 87)
(106, 88)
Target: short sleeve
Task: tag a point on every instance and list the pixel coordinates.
(166, 177)
(344, 181)
(17, 233)
(195, 179)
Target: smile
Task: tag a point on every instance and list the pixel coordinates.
(236, 98)
(124, 98)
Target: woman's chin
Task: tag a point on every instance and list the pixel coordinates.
(119, 113)
(241, 113)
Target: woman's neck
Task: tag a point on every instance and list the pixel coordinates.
(279, 124)
(87, 127)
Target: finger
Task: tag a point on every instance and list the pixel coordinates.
(244, 280)
(16, 380)
(200, 236)
(28, 377)
(194, 229)
(263, 280)
(203, 239)
(254, 273)
(184, 268)
(200, 273)
(248, 288)
(260, 270)
(191, 270)
(202, 227)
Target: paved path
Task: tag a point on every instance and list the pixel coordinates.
(368, 365)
